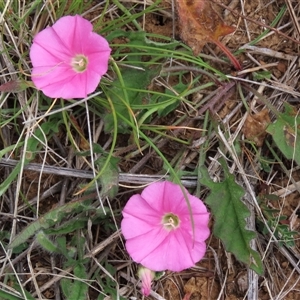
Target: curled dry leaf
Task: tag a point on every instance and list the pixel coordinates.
(255, 127)
(200, 23)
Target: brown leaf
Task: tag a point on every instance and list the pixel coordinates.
(255, 127)
(15, 86)
(83, 143)
(189, 288)
(200, 23)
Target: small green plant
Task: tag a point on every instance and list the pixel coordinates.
(285, 133)
(230, 213)
(277, 222)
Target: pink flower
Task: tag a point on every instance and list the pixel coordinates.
(146, 277)
(158, 228)
(69, 58)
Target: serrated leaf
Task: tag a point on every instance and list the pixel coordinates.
(285, 134)
(230, 213)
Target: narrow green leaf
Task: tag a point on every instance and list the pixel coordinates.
(69, 226)
(46, 243)
(10, 148)
(32, 147)
(7, 182)
(8, 296)
(4, 295)
(229, 213)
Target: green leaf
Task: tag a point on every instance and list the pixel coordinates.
(51, 218)
(261, 75)
(8, 296)
(125, 95)
(77, 289)
(69, 226)
(34, 143)
(109, 179)
(130, 88)
(46, 243)
(10, 178)
(285, 134)
(230, 213)
(5, 295)
(139, 40)
(179, 88)
(44, 131)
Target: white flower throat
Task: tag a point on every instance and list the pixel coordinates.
(170, 221)
(79, 63)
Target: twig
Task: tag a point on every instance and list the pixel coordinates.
(139, 179)
(293, 16)
(269, 52)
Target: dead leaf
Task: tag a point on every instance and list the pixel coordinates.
(200, 23)
(15, 86)
(255, 127)
(83, 143)
(189, 288)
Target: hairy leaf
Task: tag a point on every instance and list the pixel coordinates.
(230, 213)
(49, 219)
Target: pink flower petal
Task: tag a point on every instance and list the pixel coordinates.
(57, 83)
(95, 44)
(142, 246)
(170, 198)
(74, 32)
(53, 52)
(98, 62)
(147, 240)
(146, 276)
(139, 218)
(48, 43)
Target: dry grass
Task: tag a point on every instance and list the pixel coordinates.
(62, 166)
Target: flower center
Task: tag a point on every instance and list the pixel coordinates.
(170, 221)
(79, 63)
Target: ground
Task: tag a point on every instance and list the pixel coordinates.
(266, 43)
